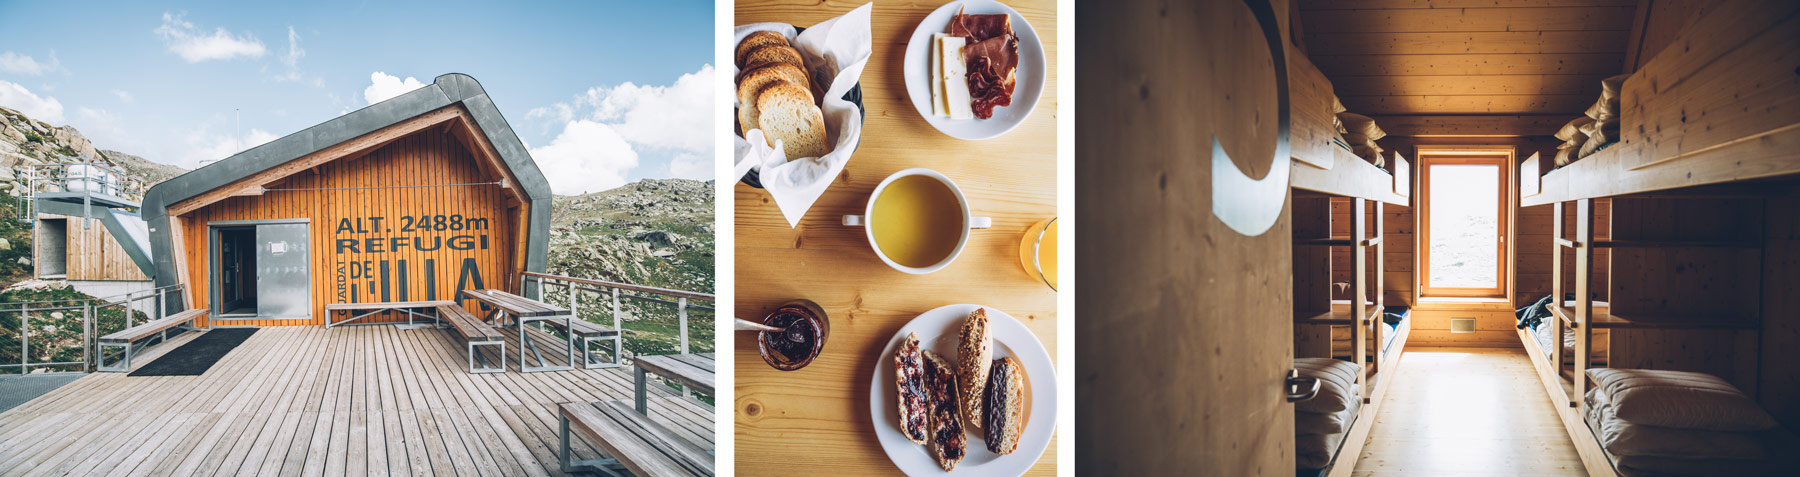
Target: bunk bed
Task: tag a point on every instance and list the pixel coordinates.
(1348, 329)
(1709, 141)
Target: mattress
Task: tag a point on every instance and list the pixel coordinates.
(1542, 334)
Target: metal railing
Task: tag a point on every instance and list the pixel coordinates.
(83, 174)
(616, 293)
(56, 342)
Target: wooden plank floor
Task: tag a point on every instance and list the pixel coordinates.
(1467, 411)
(365, 400)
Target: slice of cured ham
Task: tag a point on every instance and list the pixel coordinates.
(992, 56)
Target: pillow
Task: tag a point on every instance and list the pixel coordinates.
(1357, 123)
(1679, 399)
(1624, 438)
(1332, 423)
(1337, 384)
(1572, 132)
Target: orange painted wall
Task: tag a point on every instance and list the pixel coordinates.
(428, 158)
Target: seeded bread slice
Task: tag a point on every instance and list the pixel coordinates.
(974, 352)
(785, 112)
(758, 40)
(773, 54)
(755, 81)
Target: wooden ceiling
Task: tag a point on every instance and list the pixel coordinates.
(1477, 67)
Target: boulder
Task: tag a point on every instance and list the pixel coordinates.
(5, 244)
(80, 144)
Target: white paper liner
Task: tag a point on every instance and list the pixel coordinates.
(838, 48)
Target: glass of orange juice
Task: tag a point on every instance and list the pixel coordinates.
(1037, 251)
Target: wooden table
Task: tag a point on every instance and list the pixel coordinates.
(692, 370)
(408, 307)
(524, 311)
(824, 407)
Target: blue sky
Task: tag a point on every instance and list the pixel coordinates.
(603, 92)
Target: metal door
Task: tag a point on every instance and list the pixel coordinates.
(283, 274)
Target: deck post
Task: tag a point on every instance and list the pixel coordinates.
(619, 348)
(681, 308)
(87, 336)
(25, 339)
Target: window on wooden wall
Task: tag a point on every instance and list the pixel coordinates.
(1463, 223)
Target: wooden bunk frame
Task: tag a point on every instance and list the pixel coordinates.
(1584, 314)
(1688, 130)
(1321, 169)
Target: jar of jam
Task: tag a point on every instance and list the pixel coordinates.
(807, 327)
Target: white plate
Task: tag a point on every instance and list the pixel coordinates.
(938, 330)
(1030, 75)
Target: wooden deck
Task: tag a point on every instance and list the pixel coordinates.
(367, 400)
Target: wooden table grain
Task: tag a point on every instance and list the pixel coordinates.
(818, 418)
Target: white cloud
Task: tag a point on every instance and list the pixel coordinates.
(124, 96)
(26, 65)
(383, 86)
(671, 126)
(195, 46)
(691, 166)
(291, 60)
(677, 116)
(45, 108)
(586, 157)
(204, 147)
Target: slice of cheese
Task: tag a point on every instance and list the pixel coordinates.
(939, 104)
(956, 83)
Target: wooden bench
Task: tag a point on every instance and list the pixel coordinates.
(412, 309)
(476, 333)
(633, 441)
(589, 332)
(522, 312)
(124, 338)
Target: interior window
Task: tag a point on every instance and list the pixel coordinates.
(1464, 225)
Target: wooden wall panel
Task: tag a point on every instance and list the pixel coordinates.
(1663, 20)
(91, 253)
(341, 192)
(1493, 327)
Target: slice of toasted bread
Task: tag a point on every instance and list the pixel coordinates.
(773, 54)
(948, 443)
(973, 355)
(1005, 411)
(915, 396)
(754, 81)
(785, 111)
(758, 40)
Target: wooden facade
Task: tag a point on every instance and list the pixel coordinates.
(87, 253)
(367, 241)
(414, 198)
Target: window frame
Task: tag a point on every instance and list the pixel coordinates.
(1502, 159)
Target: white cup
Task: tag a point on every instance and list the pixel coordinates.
(969, 220)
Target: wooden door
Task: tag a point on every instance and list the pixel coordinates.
(1184, 314)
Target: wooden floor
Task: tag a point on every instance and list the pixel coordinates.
(367, 400)
(1467, 411)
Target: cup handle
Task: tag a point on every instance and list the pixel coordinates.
(853, 220)
(981, 222)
